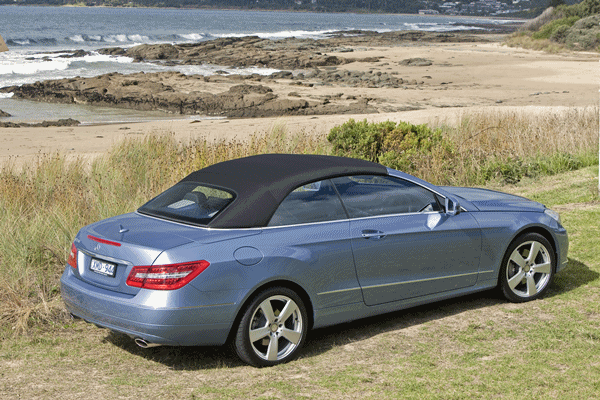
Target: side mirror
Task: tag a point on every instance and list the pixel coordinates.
(452, 206)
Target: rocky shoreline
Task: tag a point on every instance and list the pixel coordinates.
(303, 63)
(43, 124)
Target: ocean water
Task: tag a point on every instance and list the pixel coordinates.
(37, 36)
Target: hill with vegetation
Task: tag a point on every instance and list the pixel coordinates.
(501, 8)
(574, 27)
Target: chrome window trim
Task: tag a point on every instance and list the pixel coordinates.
(319, 222)
(353, 219)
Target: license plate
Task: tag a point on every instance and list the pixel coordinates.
(103, 267)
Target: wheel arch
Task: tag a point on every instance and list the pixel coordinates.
(532, 229)
(541, 231)
(534, 288)
(299, 290)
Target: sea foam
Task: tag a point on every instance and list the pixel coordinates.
(34, 67)
(96, 57)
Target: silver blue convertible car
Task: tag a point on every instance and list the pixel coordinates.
(259, 250)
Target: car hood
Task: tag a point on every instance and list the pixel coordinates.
(491, 200)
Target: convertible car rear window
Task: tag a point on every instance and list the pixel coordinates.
(188, 202)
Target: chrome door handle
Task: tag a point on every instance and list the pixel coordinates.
(372, 234)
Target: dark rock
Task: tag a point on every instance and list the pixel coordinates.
(163, 91)
(4, 114)
(416, 62)
(162, 51)
(76, 53)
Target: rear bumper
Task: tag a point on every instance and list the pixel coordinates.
(155, 316)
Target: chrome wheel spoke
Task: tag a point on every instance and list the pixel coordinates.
(257, 334)
(289, 308)
(292, 336)
(531, 288)
(273, 349)
(267, 310)
(517, 259)
(534, 251)
(544, 268)
(515, 280)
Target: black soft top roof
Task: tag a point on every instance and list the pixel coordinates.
(261, 182)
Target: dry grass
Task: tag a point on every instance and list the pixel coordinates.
(539, 21)
(509, 145)
(525, 41)
(43, 205)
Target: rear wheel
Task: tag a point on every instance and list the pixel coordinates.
(527, 268)
(272, 329)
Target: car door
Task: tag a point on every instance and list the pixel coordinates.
(404, 243)
(307, 238)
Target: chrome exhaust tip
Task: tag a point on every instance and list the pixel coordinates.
(144, 344)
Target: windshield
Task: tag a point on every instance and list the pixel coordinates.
(188, 202)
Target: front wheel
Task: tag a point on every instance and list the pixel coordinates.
(527, 268)
(272, 329)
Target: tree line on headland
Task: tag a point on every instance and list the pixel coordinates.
(512, 8)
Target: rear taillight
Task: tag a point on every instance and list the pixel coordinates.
(165, 277)
(72, 260)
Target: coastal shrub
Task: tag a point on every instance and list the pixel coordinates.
(584, 34)
(583, 9)
(549, 30)
(560, 34)
(359, 139)
(574, 26)
(401, 145)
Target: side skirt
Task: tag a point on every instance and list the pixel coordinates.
(349, 312)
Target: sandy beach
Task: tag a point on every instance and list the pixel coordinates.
(461, 78)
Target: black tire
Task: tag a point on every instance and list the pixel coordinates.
(276, 338)
(525, 276)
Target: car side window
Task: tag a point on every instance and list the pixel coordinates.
(371, 195)
(314, 202)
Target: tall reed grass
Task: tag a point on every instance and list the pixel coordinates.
(508, 145)
(44, 204)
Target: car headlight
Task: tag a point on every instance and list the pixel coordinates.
(552, 214)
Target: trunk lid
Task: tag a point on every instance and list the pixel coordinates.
(108, 249)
